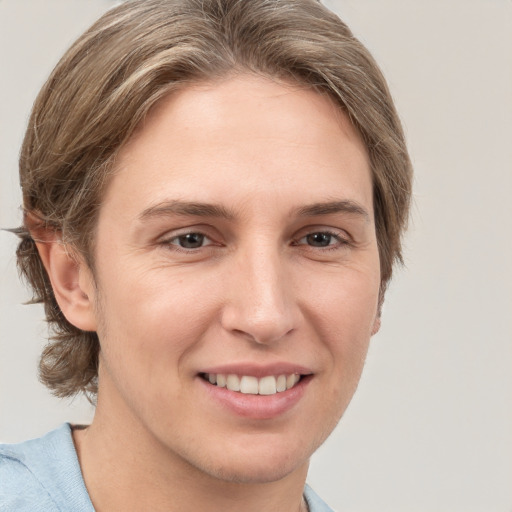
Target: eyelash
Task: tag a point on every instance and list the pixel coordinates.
(176, 247)
(339, 241)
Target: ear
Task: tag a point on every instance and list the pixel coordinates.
(71, 279)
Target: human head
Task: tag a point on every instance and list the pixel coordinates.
(140, 52)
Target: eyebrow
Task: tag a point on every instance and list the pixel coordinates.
(197, 209)
(332, 207)
(175, 207)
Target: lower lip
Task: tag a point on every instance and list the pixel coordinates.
(257, 406)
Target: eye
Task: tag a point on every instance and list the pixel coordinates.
(190, 240)
(321, 239)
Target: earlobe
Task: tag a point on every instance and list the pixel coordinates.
(71, 280)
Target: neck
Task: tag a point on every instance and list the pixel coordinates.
(124, 468)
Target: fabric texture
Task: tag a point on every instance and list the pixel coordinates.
(43, 475)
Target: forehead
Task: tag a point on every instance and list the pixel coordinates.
(242, 137)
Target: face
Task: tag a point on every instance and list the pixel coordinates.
(236, 278)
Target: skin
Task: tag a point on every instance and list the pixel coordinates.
(259, 291)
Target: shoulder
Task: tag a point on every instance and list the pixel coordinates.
(42, 474)
(315, 503)
(20, 489)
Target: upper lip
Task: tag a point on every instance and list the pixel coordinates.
(255, 370)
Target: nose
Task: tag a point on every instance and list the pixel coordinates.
(261, 306)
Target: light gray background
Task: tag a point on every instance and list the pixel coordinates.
(430, 428)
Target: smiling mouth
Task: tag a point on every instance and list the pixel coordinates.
(247, 384)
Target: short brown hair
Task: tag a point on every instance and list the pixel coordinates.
(136, 54)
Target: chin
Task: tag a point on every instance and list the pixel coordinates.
(255, 472)
(257, 463)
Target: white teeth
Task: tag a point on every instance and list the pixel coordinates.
(233, 382)
(249, 385)
(281, 383)
(268, 385)
(221, 380)
(290, 381)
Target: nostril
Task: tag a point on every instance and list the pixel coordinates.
(262, 336)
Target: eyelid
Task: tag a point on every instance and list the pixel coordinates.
(340, 235)
(176, 237)
(178, 231)
(168, 239)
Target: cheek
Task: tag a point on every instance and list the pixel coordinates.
(345, 313)
(345, 302)
(152, 317)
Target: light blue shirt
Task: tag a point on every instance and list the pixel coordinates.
(43, 475)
